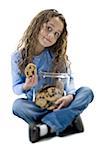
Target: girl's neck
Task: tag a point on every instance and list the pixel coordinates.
(39, 49)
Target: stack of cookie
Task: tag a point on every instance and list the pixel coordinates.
(47, 97)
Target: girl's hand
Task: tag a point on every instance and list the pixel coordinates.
(30, 82)
(63, 102)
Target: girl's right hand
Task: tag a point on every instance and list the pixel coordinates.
(30, 82)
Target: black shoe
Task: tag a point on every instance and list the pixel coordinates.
(34, 133)
(78, 125)
(75, 127)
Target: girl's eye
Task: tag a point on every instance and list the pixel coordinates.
(57, 34)
(49, 28)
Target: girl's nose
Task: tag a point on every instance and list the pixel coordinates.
(51, 36)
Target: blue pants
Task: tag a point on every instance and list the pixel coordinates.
(57, 120)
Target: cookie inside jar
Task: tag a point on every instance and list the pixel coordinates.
(52, 89)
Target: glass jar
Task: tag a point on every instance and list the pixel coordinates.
(52, 87)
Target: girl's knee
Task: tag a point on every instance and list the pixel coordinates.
(17, 106)
(87, 91)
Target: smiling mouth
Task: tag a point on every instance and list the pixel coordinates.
(47, 40)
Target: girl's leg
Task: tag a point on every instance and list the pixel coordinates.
(28, 111)
(59, 120)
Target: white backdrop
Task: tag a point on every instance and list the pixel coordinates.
(84, 27)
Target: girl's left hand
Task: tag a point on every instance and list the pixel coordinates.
(63, 102)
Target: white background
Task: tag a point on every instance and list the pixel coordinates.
(84, 27)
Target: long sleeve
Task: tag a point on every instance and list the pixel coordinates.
(17, 78)
(70, 86)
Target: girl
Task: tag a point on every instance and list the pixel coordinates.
(44, 43)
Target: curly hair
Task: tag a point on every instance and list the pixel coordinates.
(28, 41)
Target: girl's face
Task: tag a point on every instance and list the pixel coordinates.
(50, 32)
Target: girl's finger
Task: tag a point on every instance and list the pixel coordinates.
(59, 107)
(59, 101)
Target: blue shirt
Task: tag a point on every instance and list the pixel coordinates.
(43, 63)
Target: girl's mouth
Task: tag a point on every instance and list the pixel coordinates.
(47, 40)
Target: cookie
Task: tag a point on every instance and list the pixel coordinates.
(53, 93)
(47, 96)
(40, 100)
(30, 70)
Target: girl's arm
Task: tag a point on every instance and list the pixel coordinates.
(71, 87)
(17, 79)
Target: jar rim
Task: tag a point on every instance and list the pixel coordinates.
(53, 75)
